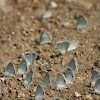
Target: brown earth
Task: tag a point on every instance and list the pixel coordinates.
(20, 29)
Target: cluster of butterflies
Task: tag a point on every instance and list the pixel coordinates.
(29, 58)
(63, 80)
(62, 47)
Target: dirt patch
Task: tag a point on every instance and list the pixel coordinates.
(20, 29)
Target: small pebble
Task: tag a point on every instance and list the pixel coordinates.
(77, 94)
(53, 4)
(21, 95)
(20, 79)
(3, 79)
(88, 96)
(65, 23)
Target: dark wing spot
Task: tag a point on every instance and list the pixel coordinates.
(49, 81)
(43, 93)
(26, 68)
(58, 44)
(14, 72)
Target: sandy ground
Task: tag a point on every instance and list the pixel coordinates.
(21, 25)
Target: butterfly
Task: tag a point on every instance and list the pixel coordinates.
(28, 78)
(72, 64)
(22, 67)
(47, 80)
(94, 77)
(81, 22)
(40, 93)
(66, 46)
(61, 81)
(30, 57)
(69, 75)
(10, 69)
(45, 37)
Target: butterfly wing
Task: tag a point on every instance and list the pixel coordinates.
(22, 67)
(61, 81)
(94, 77)
(66, 45)
(28, 78)
(47, 80)
(33, 56)
(97, 86)
(72, 64)
(45, 37)
(28, 58)
(62, 47)
(40, 93)
(69, 75)
(82, 22)
(10, 69)
(73, 45)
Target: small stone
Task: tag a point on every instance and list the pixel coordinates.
(32, 39)
(53, 4)
(3, 79)
(20, 79)
(13, 33)
(88, 96)
(26, 45)
(22, 18)
(18, 13)
(64, 23)
(77, 94)
(9, 39)
(20, 94)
